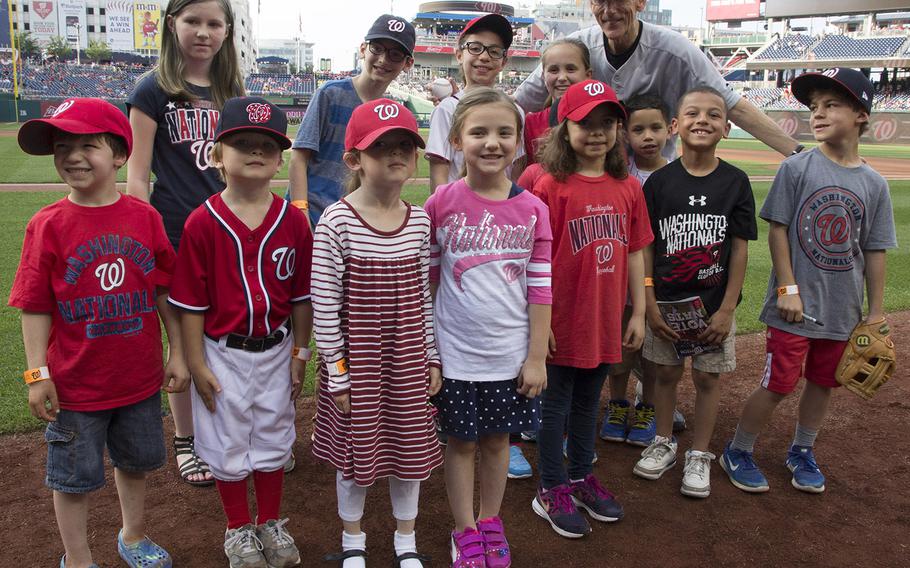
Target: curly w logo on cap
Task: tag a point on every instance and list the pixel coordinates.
(386, 112)
(259, 112)
(370, 121)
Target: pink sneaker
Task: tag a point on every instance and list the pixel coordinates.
(496, 547)
(467, 549)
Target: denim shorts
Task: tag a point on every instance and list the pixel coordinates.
(133, 435)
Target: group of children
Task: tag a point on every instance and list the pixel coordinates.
(507, 305)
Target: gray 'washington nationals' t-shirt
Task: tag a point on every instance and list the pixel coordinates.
(833, 214)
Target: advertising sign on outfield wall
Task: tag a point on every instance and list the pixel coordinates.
(794, 9)
(884, 127)
(120, 25)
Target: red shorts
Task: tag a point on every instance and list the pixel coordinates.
(788, 354)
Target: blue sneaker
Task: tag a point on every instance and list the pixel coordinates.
(143, 554)
(63, 563)
(742, 470)
(616, 421)
(519, 468)
(806, 475)
(565, 451)
(644, 426)
(555, 505)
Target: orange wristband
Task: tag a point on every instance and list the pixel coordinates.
(36, 375)
(302, 353)
(301, 204)
(341, 366)
(791, 290)
(649, 282)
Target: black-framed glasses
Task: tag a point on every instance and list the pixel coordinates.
(392, 54)
(476, 48)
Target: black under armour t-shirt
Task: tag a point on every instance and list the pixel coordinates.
(694, 220)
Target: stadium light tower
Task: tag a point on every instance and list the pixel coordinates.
(78, 27)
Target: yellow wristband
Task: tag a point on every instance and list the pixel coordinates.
(791, 290)
(36, 375)
(301, 204)
(649, 282)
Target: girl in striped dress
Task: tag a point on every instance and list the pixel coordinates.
(491, 263)
(373, 321)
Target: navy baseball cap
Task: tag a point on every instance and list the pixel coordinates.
(853, 82)
(76, 116)
(496, 23)
(256, 114)
(394, 28)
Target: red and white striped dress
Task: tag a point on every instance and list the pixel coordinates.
(372, 305)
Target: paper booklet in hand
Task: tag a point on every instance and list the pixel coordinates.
(689, 319)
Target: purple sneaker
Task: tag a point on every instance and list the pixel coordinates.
(598, 501)
(495, 545)
(467, 549)
(556, 506)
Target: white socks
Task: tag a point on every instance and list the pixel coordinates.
(354, 542)
(407, 543)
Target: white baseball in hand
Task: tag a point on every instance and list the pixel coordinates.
(441, 88)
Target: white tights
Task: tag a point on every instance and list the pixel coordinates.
(351, 497)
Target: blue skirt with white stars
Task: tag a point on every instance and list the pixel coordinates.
(468, 410)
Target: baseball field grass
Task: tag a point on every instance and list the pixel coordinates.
(17, 207)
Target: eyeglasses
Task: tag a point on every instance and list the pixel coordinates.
(476, 48)
(392, 54)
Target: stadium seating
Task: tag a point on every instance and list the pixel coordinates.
(788, 47)
(843, 47)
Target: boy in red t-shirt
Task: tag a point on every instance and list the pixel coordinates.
(93, 274)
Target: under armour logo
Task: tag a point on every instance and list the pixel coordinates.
(702, 200)
(594, 89)
(396, 26)
(259, 112)
(831, 72)
(64, 106)
(386, 111)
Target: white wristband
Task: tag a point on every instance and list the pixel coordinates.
(302, 353)
(791, 290)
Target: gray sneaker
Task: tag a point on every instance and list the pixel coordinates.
(243, 548)
(277, 545)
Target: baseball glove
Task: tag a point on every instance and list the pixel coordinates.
(868, 359)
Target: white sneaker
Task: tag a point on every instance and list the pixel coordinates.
(243, 548)
(657, 458)
(697, 474)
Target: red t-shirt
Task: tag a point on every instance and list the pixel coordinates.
(597, 222)
(95, 270)
(537, 126)
(244, 280)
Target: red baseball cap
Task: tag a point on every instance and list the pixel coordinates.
(371, 120)
(75, 116)
(496, 23)
(581, 98)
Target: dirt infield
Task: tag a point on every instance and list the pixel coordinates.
(857, 522)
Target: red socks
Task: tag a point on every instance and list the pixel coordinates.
(233, 499)
(268, 485)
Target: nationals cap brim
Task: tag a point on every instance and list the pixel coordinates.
(253, 114)
(395, 29)
(75, 116)
(374, 135)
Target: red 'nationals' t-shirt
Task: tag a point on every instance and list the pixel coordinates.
(95, 270)
(597, 222)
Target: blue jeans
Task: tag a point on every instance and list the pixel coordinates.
(133, 435)
(574, 394)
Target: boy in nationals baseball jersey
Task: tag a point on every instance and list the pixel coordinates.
(243, 268)
(94, 265)
(703, 215)
(831, 222)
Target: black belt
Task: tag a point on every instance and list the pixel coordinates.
(256, 344)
